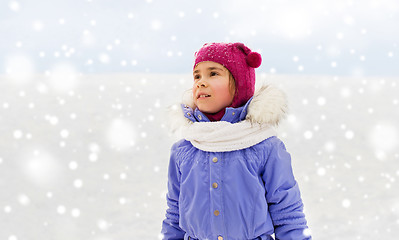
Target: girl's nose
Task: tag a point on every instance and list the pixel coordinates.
(201, 83)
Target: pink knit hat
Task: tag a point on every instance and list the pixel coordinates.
(239, 60)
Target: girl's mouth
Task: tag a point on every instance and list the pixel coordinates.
(203, 96)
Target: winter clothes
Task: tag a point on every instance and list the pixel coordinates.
(243, 192)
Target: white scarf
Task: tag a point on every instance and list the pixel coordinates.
(223, 136)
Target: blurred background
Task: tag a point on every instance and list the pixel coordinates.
(85, 86)
(343, 37)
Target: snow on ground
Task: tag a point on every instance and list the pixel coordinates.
(88, 160)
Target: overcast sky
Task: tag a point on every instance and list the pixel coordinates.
(353, 38)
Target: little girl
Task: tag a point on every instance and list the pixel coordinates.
(230, 178)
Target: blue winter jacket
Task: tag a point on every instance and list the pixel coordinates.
(236, 195)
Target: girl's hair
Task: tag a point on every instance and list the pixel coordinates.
(232, 84)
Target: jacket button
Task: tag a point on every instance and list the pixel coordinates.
(215, 160)
(220, 238)
(199, 117)
(188, 114)
(216, 212)
(233, 113)
(214, 185)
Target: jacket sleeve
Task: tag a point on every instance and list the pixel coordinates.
(170, 226)
(283, 196)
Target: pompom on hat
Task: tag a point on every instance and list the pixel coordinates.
(239, 60)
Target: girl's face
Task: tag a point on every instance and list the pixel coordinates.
(212, 89)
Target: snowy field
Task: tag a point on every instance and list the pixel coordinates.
(88, 160)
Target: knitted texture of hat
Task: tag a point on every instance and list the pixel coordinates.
(239, 60)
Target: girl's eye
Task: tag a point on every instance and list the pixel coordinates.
(197, 77)
(214, 73)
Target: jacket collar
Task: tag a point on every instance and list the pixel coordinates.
(232, 115)
(267, 106)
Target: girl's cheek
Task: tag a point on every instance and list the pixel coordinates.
(193, 90)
